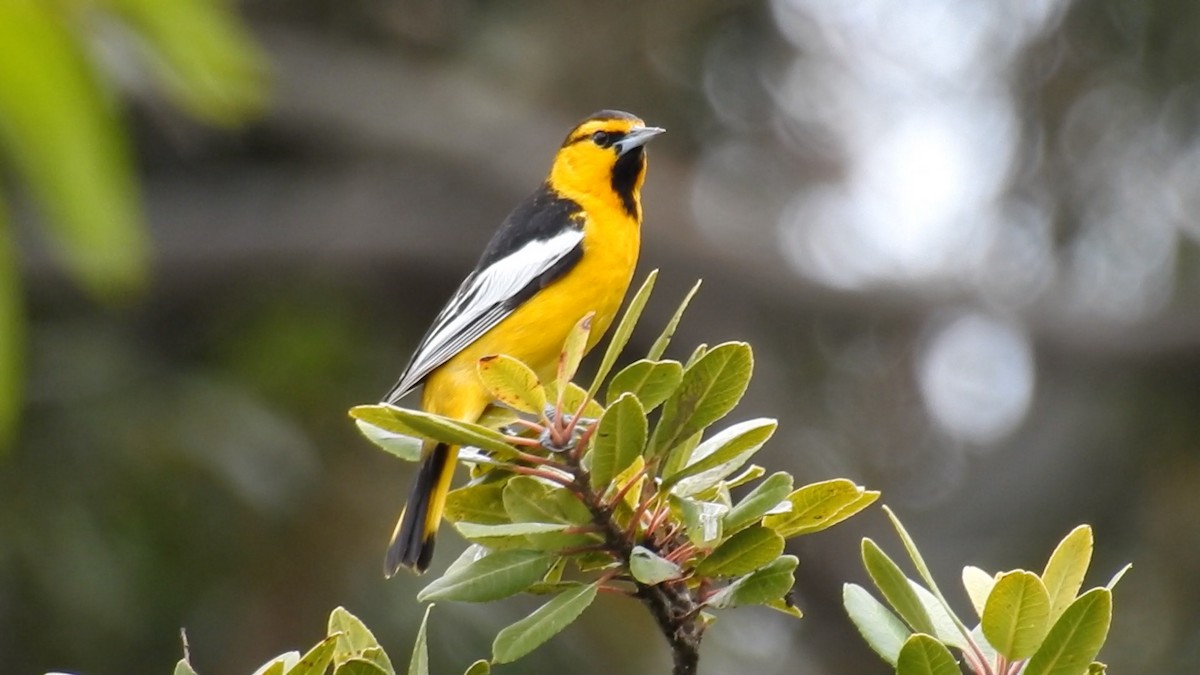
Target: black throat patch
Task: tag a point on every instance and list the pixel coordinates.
(625, 174)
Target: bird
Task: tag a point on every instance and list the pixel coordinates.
(566, 250)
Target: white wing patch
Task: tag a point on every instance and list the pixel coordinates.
(480, 303)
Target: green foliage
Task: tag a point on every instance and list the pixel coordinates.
(1036, 625)
(581, 498)
(61, 132)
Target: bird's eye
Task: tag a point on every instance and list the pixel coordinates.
(601, 139)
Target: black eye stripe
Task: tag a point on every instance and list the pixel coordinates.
(613, 137)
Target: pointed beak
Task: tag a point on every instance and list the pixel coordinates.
(636, 138)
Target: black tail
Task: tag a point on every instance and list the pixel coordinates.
(412, 542)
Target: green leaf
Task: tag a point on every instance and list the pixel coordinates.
(759, 587)
(1097, 668)
(749, 474)
(1017, 614)
(650, 568)
(475, 531)
(528, 500)
(184, 667)
(317, 660)
(652, 382)
(924, 655)
(883, 631)
(785, 606)
(742, 553)
(680, 455)
(719, 456)
(764, 497)
(1076, 637)
(497, 417)
(621, 334)
(618, 440)
(492, 577)
(480, 667)
(944, 627)
(427, 425)
(403, 446)
(710, 388)
(204, 57)
(512, 383)
(360, 666)
(894, 585)
(355, 640)
(60, 130)
(979, 586)
(1063, 576)
(481, 503)
(419, 664)
(922, 569)
(544, 623)
(820, 506)
(573, 350)
(634, 494)
(660, 345)
(478, 531)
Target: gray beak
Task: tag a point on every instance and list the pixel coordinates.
(636, 138)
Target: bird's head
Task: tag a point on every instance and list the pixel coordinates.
(604, 157)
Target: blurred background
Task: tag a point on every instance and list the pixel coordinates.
(961, 236)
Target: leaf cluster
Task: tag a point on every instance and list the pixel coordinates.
(622, 487)
(349, 648)
(1035, 624)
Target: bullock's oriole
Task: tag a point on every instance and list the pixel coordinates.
(568, 249)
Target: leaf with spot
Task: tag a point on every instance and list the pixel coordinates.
(573, 350)
(819, 506)
(512, 383)
(355, 640)
(317, 660)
